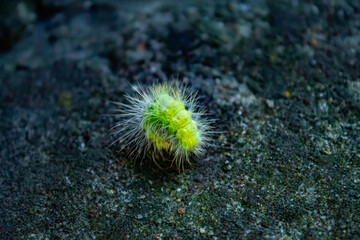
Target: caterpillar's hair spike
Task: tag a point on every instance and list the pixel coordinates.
(163, 122)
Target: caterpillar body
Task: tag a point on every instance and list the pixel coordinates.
(163, 122)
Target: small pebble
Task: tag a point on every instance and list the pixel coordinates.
(181, 211)
(270, 103)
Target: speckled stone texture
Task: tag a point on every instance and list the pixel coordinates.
(281, 78)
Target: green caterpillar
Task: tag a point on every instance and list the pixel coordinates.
(171, 114)
(163, 119)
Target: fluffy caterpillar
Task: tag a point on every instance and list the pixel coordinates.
(163, 122)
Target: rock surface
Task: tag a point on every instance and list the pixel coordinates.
(281, 78)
